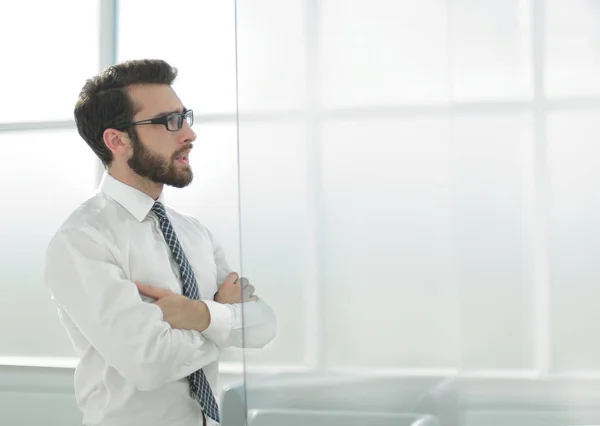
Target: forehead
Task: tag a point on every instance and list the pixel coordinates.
(150, 100)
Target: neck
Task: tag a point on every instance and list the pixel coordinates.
(128, 177)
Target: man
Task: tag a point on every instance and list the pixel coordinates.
(145, 292)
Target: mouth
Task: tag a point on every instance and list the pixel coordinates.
(183, 158)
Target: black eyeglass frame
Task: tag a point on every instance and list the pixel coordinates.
(187, 115)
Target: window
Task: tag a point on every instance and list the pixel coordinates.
(47, 175)
(42, 78)
(47, 168)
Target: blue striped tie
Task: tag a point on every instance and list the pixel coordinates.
(199, 386)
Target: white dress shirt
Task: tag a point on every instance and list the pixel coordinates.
(133, 366)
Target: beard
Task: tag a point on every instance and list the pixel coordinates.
(157, 168)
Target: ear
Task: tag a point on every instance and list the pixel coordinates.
(116, 141)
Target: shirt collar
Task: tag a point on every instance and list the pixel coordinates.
(133, 200)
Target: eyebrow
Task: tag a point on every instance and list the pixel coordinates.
(162, 114)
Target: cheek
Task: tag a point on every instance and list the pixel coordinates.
(159, 144)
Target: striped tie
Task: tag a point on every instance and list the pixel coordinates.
(199, 386)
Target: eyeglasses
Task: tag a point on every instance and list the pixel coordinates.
(172, 122)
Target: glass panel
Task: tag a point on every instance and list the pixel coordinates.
(60, 173)
(387, 234)
(349, 223)
(276, 232)
(493, 176)
(572, 55)
(383, 52)
(574, 215)
(491, 49)
(444, 279)
(41, 79)
(271, 54)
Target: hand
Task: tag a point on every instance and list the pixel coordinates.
(235, 290)
(179, 311)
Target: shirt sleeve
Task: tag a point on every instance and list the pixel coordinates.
(87, 283)
(244, 325)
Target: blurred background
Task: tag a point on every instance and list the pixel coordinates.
(412, 186)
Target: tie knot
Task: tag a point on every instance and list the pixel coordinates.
(159, 210)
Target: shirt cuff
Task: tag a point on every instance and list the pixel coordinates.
(221, 319)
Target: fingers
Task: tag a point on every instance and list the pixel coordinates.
(247, 288)
(231, 278)
(155, 293)
(248, 292)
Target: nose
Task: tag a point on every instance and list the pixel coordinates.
(187, 134)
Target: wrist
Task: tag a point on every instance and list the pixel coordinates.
(221, 322)
(202, 317)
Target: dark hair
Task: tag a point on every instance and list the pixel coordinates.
(104, 103)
